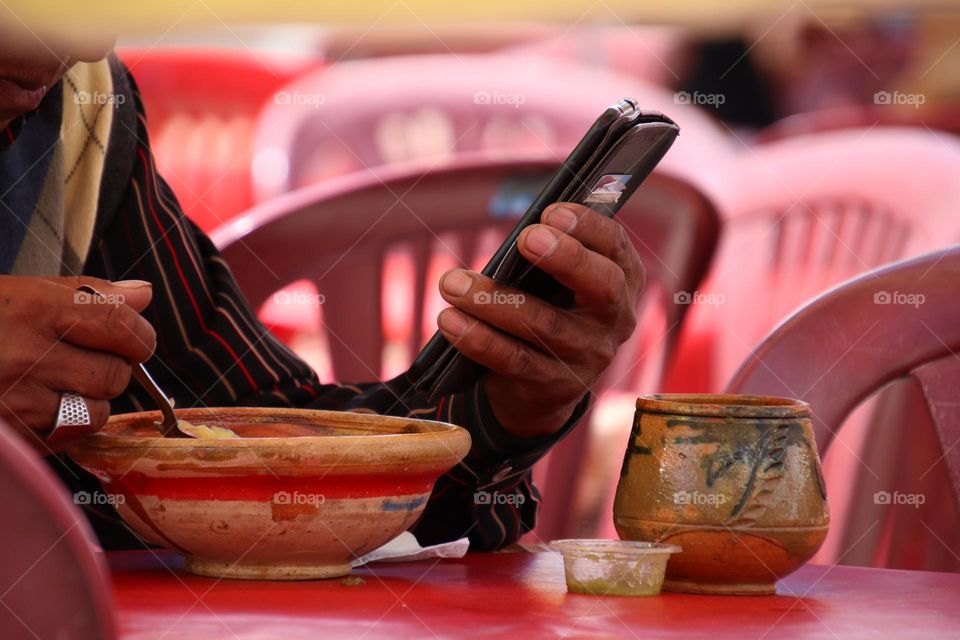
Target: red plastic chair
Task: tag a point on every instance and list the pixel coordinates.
(53, 584)
(340, 234)
(800, 216)
(367, 114)
(201, 107)
(894, 323)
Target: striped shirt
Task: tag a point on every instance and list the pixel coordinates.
(213, 351)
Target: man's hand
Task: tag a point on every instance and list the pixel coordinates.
(55, 339)
(543, 359)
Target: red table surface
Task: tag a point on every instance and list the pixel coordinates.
(523, 596)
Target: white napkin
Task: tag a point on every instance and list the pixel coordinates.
(405, 548)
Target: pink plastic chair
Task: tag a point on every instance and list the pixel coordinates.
(804, 214)
(53, 584)
(339, 235)
(201, 107)
(367, 114)
(894, 323)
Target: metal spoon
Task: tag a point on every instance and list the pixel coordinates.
(169, 428)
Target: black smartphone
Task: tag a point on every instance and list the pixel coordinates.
(618, 152)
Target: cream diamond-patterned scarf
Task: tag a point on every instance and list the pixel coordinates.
(66, 173)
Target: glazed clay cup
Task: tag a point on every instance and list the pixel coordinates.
(734, 480)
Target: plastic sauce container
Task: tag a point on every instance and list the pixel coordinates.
(614, 567)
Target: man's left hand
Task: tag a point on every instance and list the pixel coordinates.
(543, 359)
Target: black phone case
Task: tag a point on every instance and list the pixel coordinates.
(624, 141)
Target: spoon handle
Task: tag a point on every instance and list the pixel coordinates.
(169, 428)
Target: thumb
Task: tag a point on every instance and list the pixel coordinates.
(135, 293)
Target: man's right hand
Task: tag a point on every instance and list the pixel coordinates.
(55, 339)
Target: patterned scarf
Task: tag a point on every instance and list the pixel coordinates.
(51, 172)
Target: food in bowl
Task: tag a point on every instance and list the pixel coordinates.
(297, 495)
(205, 432)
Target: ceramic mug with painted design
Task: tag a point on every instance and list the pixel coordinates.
(734, 480)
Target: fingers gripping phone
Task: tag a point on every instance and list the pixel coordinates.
(618, 152)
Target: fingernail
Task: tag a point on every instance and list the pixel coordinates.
(541, 241)
(131, 284)
(562, 219)
(456, 283)
(452, 322)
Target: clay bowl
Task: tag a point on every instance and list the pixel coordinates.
(734, 480)
(297, 496)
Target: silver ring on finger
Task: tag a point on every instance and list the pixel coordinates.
(73, 415)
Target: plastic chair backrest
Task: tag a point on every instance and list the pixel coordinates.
(53, 582)
(897, 323)
(337, 235)
(841, 347)
(801, 215)
(201, 107)
(365, 114)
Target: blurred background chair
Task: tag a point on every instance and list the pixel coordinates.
(201, 106)
(799, 216)
(53, 583)
(345, 236)
(895, 323)
(363, 115)
(803, 214)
